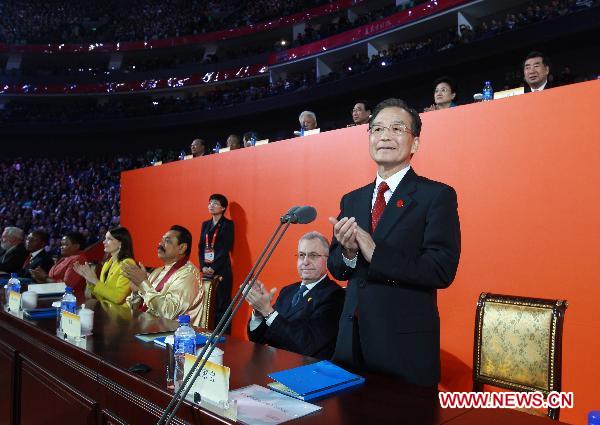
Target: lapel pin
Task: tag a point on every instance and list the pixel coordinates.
(309, 300)
(400, 203)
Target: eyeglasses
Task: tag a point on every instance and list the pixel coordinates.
(312, 256)
(396, 129)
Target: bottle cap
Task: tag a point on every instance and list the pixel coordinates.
(68, 290)
(184, 319)
(13, 275)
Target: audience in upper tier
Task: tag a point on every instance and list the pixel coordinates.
(444, 93)
(245, 91)
(308, 120)
(64, 21)
(198, 148)
(536, 69)
(361, 112)
(234, 142)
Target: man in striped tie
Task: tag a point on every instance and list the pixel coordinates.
(305, 317)
(396, 241)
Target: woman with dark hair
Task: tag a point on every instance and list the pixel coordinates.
(71, 245)
(112, 285)
(444, 93)
(216, 241)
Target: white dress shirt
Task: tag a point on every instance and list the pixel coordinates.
(392, 181)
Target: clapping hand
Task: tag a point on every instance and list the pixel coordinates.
(260, 298)
(135, 274)
(352, 238)
(85, 271)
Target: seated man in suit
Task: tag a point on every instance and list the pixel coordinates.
(14, 251)
(37, 256)
(173, 289)
(536, 69)
(305, 316)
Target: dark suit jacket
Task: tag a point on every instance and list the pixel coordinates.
(223, 245)
(393, 299)
(546, 87)
(43, 260)
(13, 259)
(310, 327)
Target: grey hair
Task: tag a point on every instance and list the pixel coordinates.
(315, 235)
(15, 232)
(310, 114)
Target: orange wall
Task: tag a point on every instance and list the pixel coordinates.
(527, 176)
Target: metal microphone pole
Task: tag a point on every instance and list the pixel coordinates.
(233, 307)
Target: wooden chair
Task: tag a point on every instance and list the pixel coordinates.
(518, 344)
(207, 321)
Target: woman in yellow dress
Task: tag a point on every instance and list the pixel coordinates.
(112, 285)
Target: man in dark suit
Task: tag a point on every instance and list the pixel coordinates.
(536, 69)
(14, 250)
(37, 256)
(397, 240)
(306, 314)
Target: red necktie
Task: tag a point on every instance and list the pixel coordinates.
(27, 260)
(379, 205)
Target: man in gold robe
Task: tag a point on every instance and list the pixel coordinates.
(173, 289)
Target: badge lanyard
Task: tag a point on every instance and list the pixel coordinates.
(209, 250)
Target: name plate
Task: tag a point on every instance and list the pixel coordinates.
(71, 324)
(14, 301)
(212, 383)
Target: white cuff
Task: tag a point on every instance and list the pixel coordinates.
(271, 318)
(350, 263)
(255, 321)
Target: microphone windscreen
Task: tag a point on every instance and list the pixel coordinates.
(306, 214)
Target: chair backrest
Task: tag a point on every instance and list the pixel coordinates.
(518, 344)
(207, 321)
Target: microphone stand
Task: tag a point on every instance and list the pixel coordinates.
(233, 307)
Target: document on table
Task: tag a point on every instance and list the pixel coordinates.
(261, 406)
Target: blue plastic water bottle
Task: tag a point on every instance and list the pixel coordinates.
(69, 302)
(301, 130)
(594, 417)
(253, 140)
(488, 92)
(13, 284)
(217, 148)
(181, 155)
(184, 342)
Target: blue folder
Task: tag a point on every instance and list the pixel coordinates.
(314, 381)
(40, 313)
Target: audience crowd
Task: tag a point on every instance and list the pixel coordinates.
(61, 21)
(61, 196)
(242, 92)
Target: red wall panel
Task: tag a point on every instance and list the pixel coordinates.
(527, 177)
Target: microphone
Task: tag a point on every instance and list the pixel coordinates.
(299, 215)
(287, 217)
(305, 214)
